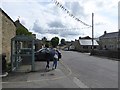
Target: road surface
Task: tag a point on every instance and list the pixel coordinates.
(94, 72)
(75, 70)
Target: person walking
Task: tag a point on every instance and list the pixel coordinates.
(55, 59)
(47, 55)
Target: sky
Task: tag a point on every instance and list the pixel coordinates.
(46, 19)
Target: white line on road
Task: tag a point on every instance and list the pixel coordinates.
(79, 83)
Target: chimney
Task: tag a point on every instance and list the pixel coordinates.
(75, 39)
(105, 32)
(79, 37)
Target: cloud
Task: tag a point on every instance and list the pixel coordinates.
(77, 9)
(43, 16)
(56, 24)
(23, 22)
(100, 3)
(37, 28)
(67, 33)
(53, 31)
(50, 29)
(54, 28)
(61, 29)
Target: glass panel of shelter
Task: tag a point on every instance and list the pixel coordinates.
(16, 55)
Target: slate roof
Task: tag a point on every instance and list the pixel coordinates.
(87, 42)
(110, 35)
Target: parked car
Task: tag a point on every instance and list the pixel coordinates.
(43, 54)
(66, 49)
(72, 47)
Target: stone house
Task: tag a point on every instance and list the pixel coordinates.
(8, 31)
(85, 45)
(38, 44)
(109, 41)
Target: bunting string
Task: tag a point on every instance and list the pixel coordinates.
(70, 14)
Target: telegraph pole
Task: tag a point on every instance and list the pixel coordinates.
(118, 44)
(92, 32)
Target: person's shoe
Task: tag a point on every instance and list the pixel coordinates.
(4, 74)
(52, 68)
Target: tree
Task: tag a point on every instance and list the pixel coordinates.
(44, 39)
(54, 41)
(23, 31)
(63, 42)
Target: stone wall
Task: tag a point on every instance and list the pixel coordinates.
(77, 45)
(8, 31)
(110, 43)
(107, 53)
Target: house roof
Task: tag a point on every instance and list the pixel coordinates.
(7, 16)
(110, 35)
(18, 24)
(87, 42)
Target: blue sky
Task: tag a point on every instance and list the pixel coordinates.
(46, 19)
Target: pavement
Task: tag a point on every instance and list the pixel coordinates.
(41, 78)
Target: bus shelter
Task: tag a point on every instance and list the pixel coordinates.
(19, 51)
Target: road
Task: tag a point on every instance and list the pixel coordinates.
(94, 72)
(75, 70)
